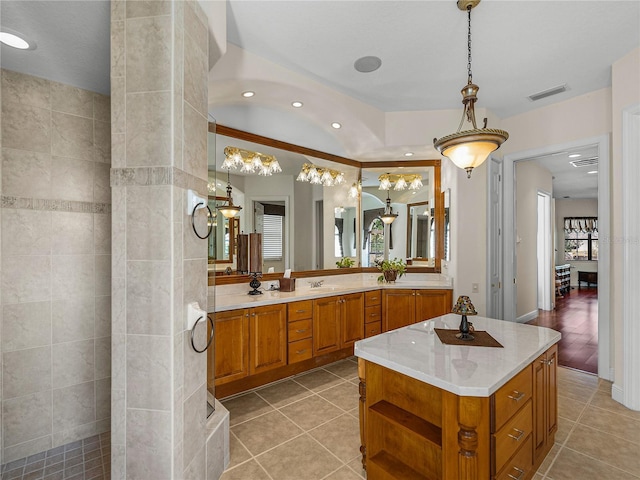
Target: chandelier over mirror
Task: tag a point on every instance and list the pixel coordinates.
(229, 210)
(250, 162)
(412, 181)
(327, 177)
(469, 148)
(388, 216)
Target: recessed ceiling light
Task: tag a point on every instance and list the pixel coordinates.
(296, 104)
(336, 125)
(16, 40)
(248, 94)
(593, 171)
(408, 154)
(575, 155)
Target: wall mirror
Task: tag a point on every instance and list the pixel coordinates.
(306, 225)
(221, 242)
(416, 233)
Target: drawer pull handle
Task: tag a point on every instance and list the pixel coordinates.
(300, 352)
(373, 314)
(300, 311)
(520, 474)
(517, 396)
(301, 330)
(516, 437)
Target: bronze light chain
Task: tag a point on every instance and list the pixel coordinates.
(470, 75)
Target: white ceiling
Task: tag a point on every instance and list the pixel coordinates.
(519, 47)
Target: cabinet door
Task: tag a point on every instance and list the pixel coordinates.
(539, 404)
(268, 338)
(398, 308)
(552, 390)
(352, 313)
(432, 303)
(326, 325)
(545, 383)
(231, 350)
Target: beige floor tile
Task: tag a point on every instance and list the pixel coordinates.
(564, 427)
(605, 386)
(344, 369)
(602, 399)
(237, 452)
(246, 407)
(538, 477)
(548, 460)
(606, 448)
(318, 380)
(356, 466)
(265, 432)
(355, 412)
(311, 412)
(576, 391)
(576, 376)
(341, 436)
(569, 408)
(570, 465)
(612, 423)
(298, 459)
(345, 473)
(247, 471)
(345, 396)
(283, 393)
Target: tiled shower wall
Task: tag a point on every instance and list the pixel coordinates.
(56, 264)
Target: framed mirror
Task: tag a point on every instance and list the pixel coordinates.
(221, 242)
(420, 231)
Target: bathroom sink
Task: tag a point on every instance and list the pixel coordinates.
(326, 289)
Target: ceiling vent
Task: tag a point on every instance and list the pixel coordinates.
(586, 162)
(547, 93)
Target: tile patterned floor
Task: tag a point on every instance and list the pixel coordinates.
(576, 317)
(88, 459)
(306, 428)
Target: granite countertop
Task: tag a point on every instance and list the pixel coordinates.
(223, 301)
(416, 351)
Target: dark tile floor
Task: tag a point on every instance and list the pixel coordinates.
(88, 459)
(576, 317)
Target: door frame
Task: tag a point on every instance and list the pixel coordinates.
(605, 369)
(495, 241)
(547, 260)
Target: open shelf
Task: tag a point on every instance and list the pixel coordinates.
(387, 466)
(408, 422)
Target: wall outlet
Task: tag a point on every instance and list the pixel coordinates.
(475, 288)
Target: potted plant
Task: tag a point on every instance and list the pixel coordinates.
(345, 262)
(391, 270)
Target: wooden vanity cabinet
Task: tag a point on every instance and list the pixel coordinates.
(338, 322)
(268, 338)
(300, 331)
(402, 307)
(372, 313)
(231, 351)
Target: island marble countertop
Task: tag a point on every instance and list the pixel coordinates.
(225, 300)
(416, 351)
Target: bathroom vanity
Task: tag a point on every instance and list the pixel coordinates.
(431, 411)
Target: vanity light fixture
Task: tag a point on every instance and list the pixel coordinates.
(229, 210)
(296, 104)
(354, 190)
(412, 181)
(250, 162)
(327, 177)
(388, 216)
(248, 94)
(470, 148)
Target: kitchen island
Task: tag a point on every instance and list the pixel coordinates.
(435, 411)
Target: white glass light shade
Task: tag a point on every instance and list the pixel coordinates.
(469, 155)
(229, 211)
(401, 184)
(388, 218)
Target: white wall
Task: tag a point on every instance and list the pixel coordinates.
(530, 178)
(578, 207)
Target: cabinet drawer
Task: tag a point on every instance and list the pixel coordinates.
(300, 350)
(513, 435)
(372, 314)
(299, 330)
(373, 298)
(371, 329)
(518, 466)
(511, 397)
(299, 310)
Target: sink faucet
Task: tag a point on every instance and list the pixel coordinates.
(316, 284)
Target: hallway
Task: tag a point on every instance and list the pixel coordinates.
(576, 317)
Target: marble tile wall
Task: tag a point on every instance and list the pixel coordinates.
(55, 308)
(159, 68)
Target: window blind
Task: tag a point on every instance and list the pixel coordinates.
(272, 237)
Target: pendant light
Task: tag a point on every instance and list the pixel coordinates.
(388, 216)
(229, 210)
(469, 148)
